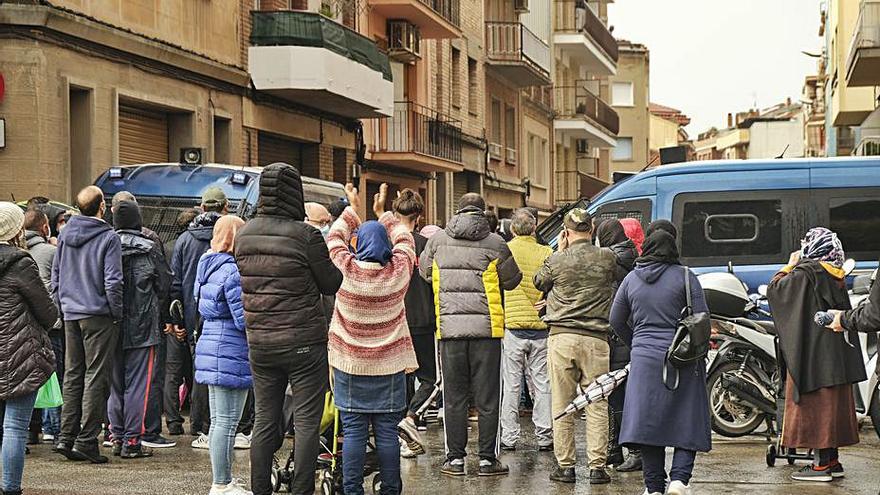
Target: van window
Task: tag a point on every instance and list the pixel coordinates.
(640, 209)
(738, 227)
(854, 214)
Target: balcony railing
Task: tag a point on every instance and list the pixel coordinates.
(513, 42)
(540, 95)
(298, 28)
(414, 128)
(867, 30)
(578, 102)
(572, 20)
(448, 9)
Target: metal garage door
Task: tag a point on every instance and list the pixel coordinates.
(143, 136)
(273, 149)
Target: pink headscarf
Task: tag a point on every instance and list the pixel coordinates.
(429, 230)
(633, 229)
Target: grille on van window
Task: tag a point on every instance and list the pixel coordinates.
(620, 215)
(160, 213)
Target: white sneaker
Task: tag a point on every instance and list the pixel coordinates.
(405, 451)
(234, 488)
(646, 492)
(409, 433)
(678, 488)
(242, 441)
(201, 443)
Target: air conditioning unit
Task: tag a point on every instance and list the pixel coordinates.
(495, 151)
(582, 146)
(404, 40)
(521, 6)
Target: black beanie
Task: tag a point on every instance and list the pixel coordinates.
(127, 216)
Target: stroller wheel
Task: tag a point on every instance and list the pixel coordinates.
(791, 454)
(771, 455)
(377, 484)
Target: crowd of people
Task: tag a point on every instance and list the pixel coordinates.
(253, 322)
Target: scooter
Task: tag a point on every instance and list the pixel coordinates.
(867, 395)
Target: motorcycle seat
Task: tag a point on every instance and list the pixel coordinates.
(767, 327)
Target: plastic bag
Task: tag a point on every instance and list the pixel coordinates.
(49, 394)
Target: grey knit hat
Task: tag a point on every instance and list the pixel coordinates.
(11, 220)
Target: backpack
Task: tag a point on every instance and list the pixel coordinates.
(690, 344)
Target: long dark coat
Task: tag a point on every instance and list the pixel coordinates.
(644, 316)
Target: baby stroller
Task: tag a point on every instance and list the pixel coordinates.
(776, 450)
(330, 458)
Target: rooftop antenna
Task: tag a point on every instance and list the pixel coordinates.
(782, 155)
(650, 163)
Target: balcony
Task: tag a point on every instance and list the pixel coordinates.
(863, 62)
(419, 138)
(436, 19)
(573, 185)
(583, 115)
(517, 54)
(347, 75)
(582, 36)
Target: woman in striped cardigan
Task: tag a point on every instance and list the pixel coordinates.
(370, 348)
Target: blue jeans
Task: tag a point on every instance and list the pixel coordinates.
(654, 466)
(15, 432)
(52, 421)
(356, 428)
(226, 406)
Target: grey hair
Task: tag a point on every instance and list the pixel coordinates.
(523, 222)
(120, 197)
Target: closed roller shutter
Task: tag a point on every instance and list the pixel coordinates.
(459, 187)
(143, 136)
(273, 149)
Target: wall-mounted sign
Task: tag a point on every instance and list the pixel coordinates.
(2, 133)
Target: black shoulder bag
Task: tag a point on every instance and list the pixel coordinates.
(690, 344)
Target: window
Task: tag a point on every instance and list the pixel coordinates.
(640, 209)
(623, 152)
(456, 78)
(495, 135)
(622, 94)
(510, 128)
(473, 87)
(731, 228)
(857, 223)
(537, 163)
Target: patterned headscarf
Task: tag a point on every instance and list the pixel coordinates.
(821, 244)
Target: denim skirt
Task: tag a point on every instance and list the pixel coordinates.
(369, 394)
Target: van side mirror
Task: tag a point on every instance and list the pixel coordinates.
(762, 289)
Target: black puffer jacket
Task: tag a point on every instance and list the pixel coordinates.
(285, 267)
(26, 315)
(626, 259)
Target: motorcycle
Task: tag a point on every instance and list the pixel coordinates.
(866, 393)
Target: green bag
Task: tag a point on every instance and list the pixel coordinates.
(49, 394)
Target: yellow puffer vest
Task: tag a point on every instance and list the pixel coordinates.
(519, 304)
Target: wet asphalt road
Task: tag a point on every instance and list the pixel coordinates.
(733, 467)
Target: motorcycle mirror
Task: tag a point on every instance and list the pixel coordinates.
(849, 265)
(730, 267)
(762, 289)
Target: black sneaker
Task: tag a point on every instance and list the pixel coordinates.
(453, 467)
(810, 473)
(91, 454)
(632, 463)
(615, 455)
(508, 448)
(599, 477)
(493, 468)
(563, 475)
(66, 449)
(175, 429)
(117, 448)
(135, 451)
(545, 448)
(158, 442)
(836, 470)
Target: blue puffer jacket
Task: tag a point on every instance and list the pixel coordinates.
(222, 349)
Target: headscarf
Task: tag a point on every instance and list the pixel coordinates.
(659, 247)
(225, 230)
(664, 225)
(127, 216)
(373, 243)
(610, 232)
(633, 230)
(821, 244)
(429, 230)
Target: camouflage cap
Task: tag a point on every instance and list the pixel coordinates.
(579, 220)
(213, 196)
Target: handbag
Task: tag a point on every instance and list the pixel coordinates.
(690, 344)
(49, 395)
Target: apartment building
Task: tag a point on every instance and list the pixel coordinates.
(852, 76)
(92, 84)
(776, 131)
(585, 55)
(630, 97)
(667, 131)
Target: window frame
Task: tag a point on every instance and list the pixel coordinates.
(631, 101)
(732, 215)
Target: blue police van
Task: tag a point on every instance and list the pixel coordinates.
(164, 190)
(750, 214)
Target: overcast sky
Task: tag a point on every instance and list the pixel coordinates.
(711, 57)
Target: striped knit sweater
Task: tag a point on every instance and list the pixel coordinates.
(368, 333)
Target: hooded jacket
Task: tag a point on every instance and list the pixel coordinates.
(285, 267)
(519, 303)
(190, 246)
(26, 315)
(222, 350)
(469, 267)
(87, 273)
(579, 282)
(146, 279)
(43, 254)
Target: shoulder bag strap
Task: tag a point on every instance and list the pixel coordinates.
(687, 291)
